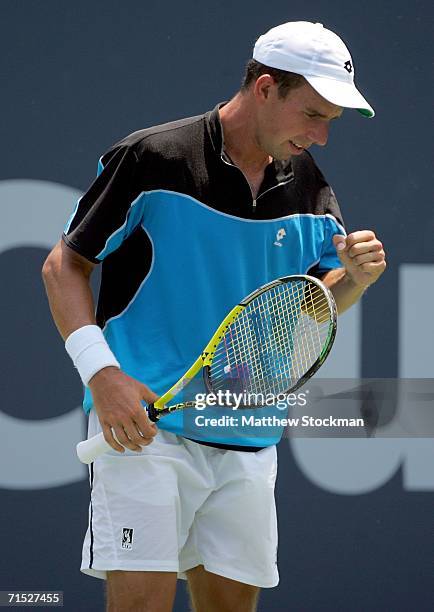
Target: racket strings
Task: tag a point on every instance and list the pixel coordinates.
(274, 341)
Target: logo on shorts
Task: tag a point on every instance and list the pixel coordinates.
(127, 538)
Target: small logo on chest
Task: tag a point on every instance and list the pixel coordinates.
(279, 237)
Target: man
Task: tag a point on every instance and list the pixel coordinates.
(185, 217)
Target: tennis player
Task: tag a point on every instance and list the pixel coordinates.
(187, 218)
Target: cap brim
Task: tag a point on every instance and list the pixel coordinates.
(341, 94)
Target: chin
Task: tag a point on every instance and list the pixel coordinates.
(282, 156)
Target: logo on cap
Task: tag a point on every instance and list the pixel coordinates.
(348, 66)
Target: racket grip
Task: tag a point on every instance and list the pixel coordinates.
(89, 450)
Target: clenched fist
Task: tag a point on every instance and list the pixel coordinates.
(362, 255)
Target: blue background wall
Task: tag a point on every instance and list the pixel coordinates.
(356, 526)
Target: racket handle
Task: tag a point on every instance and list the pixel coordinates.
(89, 450)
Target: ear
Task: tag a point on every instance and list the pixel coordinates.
(264, 87)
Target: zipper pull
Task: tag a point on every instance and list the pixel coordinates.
(254, 205)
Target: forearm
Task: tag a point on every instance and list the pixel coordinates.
(68, 290)
(116, 396)
(345, 291)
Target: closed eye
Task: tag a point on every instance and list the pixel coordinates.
(316, 115)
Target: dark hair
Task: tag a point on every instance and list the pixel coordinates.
(285, 80)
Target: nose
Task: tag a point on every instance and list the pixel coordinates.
(319, 134)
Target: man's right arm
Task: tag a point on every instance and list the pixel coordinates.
(116, 396)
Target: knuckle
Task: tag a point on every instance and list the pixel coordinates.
(108, 438)
(137, 439)
(137, 414)
(122, 436)
(130, 410)
(142, 422)
(107, 429)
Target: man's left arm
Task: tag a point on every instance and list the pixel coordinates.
(363, 262)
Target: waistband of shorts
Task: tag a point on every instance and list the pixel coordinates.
(245, 449)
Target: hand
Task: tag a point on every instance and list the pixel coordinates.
(362, 256)
(117, 400)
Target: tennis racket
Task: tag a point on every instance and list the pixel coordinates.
(271, 343)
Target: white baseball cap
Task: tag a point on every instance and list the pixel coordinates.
(317, 54)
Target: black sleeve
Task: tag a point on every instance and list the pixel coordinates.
(104, 208)
(327, 206)
(331, 207)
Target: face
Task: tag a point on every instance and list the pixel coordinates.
(288, 126)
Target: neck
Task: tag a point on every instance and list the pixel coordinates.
(238, 122)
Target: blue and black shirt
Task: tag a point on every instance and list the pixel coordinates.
(181, 241)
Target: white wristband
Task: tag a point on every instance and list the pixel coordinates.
(89, 351)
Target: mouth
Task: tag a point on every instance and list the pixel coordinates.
(298, 147)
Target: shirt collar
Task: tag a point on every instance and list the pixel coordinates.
(282, 170)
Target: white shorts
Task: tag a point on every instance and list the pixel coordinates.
(180, 504)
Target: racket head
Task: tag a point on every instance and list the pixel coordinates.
(280, 337)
